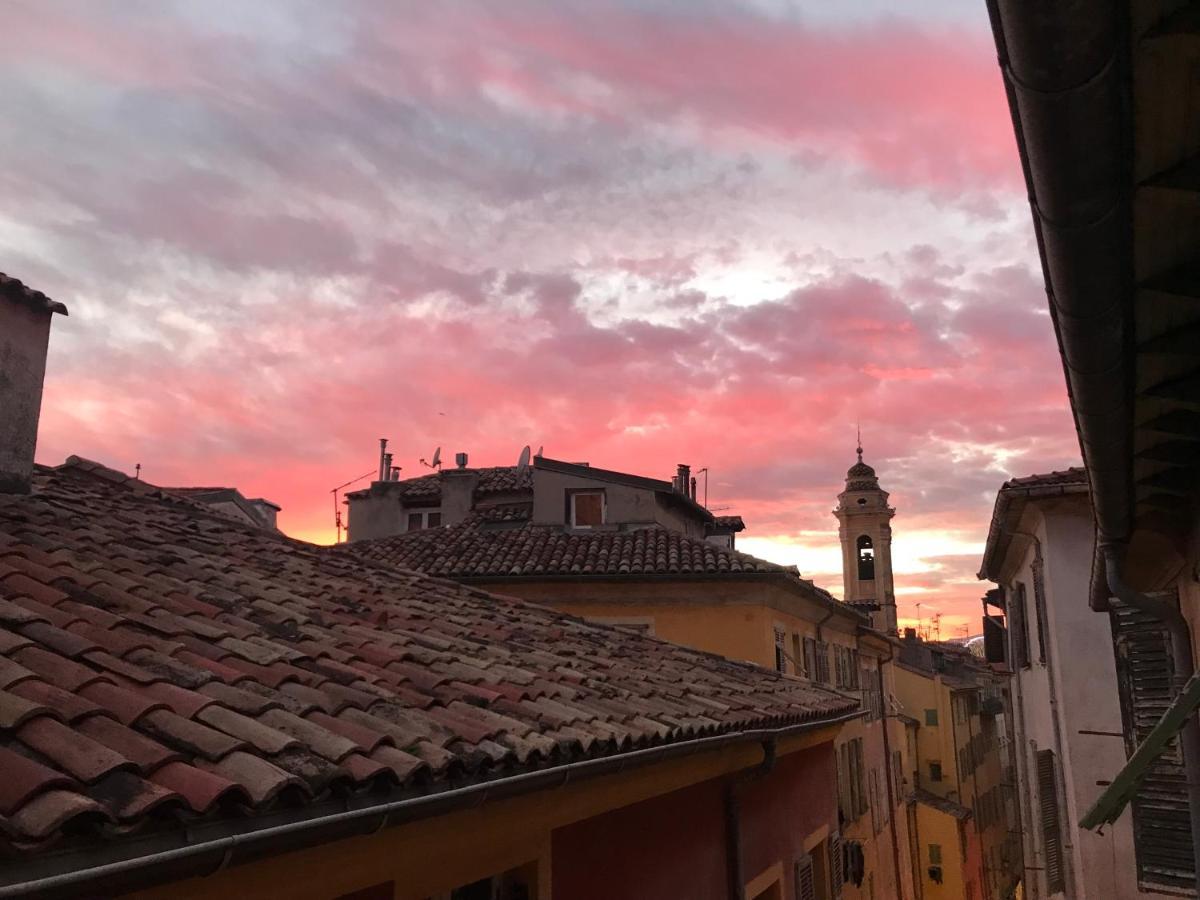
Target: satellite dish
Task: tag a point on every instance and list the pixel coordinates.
(523, 460)
(539, 453)
(434, 463)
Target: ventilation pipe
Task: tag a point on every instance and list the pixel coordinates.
(382, 459)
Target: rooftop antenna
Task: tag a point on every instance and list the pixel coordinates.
(523, 459)
(337, 509)
(436, 462)
(137, 472)
(705, 471)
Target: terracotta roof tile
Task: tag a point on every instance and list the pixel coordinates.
(70, 751)
(154, 655)
(24, 779)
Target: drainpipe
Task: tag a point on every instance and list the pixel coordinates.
(733, 817)
(1181, 653)
(887, 765)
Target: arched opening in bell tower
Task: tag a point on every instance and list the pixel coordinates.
(866, 558)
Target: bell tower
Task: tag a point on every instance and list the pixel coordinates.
(864, 527)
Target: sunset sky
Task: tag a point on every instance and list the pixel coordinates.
(636, 233)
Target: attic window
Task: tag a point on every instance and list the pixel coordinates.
(587, 509)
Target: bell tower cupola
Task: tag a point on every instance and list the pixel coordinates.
(864, 526)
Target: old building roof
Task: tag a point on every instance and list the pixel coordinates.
(466, 550)
(17, 290)
(941, 804)
(1010, 504)
(161, 665)
(492, 480)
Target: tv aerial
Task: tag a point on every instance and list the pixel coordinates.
(436, 462)
(523, 459)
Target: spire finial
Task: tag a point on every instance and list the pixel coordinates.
(858, 449)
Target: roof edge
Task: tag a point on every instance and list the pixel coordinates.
(302, 831)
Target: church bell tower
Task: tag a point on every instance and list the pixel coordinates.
(864, 527)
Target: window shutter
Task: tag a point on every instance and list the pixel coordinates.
(806, 882)
(810, 658)
(1161, 825)
(994, 640)
(1039, 603)
(1020, 631)
(1051, 828)
(837, 874)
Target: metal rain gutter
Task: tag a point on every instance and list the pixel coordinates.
(209, 857)
(1066, 76)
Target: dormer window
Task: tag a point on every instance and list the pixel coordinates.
(866, 559)
(587, 509)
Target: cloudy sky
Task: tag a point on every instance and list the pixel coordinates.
(637, 233)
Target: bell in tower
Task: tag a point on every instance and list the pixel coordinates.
(864, 519)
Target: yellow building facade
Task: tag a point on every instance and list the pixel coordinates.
(957, 769)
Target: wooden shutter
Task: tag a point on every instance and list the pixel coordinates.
(1162, 835)
(994, 640)
(1051, 821)
(810, 658)
(837, 874)
(1039, 603)
(806, 881)
(1020, 631)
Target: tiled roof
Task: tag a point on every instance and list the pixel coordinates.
(492, 480)
(17, 290)
(1011, 499)
(160, 665)
(1073, 475)
(466, 550)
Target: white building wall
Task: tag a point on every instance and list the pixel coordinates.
(1070, 703)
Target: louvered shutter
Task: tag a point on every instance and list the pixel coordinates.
(1051, 825)
(837, 874)
(1161, 825)
(1020, 630)
(806, 881)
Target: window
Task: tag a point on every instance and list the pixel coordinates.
(1039, 603)
(866, 558)
(587, 509)
(1161, 824)
(1051, 826)
(852, 795)
(780, 653)
(424, 518)
(821, 658)
(810, 658)
(931, 717)
(935, 854)
(798, 658)
(935, 771)
(1020, 629)
(806, 880)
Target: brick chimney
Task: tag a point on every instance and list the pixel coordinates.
(24, 336)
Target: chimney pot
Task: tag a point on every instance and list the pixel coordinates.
(460, 460)
(24, 337)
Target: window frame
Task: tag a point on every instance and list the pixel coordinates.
(572, 517)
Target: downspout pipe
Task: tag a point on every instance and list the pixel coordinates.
(733, 818)
(1184, 666)
(887, 765)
